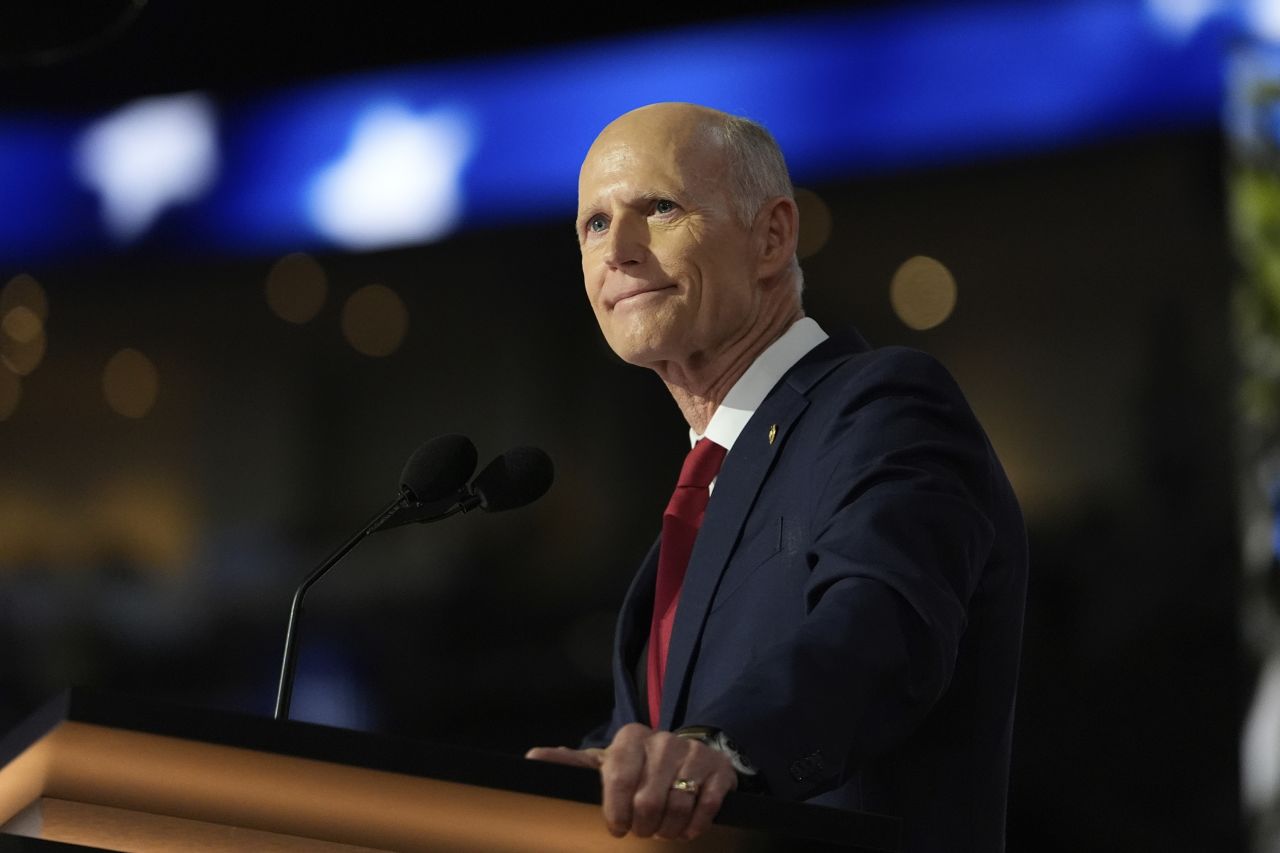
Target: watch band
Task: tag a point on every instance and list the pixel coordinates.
(720, 742)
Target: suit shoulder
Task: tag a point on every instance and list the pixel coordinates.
(894, 371)
(883, 412)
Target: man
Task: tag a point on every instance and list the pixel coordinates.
(840, 580)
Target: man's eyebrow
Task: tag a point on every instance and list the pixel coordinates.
(638, 199)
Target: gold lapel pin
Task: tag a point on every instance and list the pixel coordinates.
(773, 432)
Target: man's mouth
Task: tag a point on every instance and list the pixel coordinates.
(637, 293)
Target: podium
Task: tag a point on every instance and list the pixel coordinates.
(93, 770)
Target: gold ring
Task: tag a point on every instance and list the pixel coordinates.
(687, 785)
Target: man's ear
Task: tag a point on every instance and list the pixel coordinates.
(778, 229)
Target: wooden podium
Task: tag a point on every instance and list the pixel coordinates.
(95, 771)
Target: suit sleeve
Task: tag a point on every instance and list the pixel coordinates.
(897, 541)
(602, 735)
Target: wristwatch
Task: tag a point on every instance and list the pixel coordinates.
(722, 743)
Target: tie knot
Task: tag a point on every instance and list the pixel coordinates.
(702, 464)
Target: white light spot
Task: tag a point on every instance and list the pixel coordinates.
(1260, 741)
(1263, 18)
(397, 182)
(147, 156)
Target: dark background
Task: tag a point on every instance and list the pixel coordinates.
(1091, 333)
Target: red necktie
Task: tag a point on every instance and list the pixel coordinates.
(680, 525)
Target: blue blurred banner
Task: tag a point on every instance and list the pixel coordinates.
(408, 156)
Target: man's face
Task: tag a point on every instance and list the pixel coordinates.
(669, 270)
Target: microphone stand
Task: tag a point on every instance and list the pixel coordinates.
(284, 694)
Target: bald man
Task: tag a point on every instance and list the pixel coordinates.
(833, 611)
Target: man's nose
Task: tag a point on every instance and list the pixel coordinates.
(628, 241)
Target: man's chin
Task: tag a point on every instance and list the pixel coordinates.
(641, 352)
(640, 342)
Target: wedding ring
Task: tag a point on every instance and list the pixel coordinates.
(687, 785)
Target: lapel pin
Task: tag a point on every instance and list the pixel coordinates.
(773, 432)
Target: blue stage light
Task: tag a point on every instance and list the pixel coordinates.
(406, 156)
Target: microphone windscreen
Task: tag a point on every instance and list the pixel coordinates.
(517, 477)
(438, 468)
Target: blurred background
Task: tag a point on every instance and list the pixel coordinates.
(252, 255)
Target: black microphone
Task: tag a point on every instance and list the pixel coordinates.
(518, 477)
(437, 469)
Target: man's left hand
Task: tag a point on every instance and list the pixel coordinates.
(654, 783)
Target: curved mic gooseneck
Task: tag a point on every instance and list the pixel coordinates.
(439, 467)
(432, 487)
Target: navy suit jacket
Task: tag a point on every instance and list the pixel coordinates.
(852, 610)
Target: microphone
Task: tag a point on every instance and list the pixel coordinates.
(437, 469)
(516, 478)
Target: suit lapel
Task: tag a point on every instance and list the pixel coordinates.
(737, 485)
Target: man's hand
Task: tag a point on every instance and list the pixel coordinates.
(639, 773)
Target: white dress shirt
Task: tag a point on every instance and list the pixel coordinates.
(731, 416)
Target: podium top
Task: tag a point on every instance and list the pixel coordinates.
(218, 736)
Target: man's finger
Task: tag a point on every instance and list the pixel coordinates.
(704, 775)
(710, 798)
(589, 758)
(664, 755)
(682, 797)
(620, 774)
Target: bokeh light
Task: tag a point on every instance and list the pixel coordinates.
(149, 518)
(147, 156)
(296, 288)
(21, 357)
(21, 325)
(23, 311)
(23, 290)
(815, 223)
(130, 383)
(375, 320)
(923, 293)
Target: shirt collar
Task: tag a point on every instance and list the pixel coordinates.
(731, 416)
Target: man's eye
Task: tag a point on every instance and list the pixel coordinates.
(596, 224)
(663, 205)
